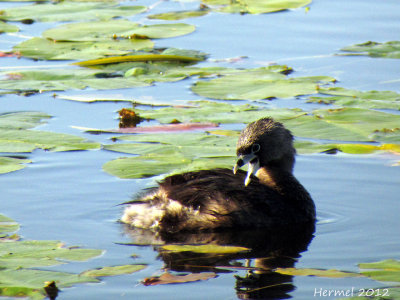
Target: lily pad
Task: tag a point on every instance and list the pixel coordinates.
(168, 278)
(180, 15)
(386, 270)
(361, 99)
(16, 136)
(115, 29)
(17, 258)
(258, 84)
(69, 11)
(5, 27)
(65, 78)
(255, 6)
(7, 225)
(113, 271)
(316, 272)
(374, 49)
(11, 164)
(212, 249)
(47, 49)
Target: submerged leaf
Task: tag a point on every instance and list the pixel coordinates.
(7, 225)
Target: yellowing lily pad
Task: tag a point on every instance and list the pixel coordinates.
(69, 11)
(255, 6)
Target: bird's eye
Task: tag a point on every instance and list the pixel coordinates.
(255, 148)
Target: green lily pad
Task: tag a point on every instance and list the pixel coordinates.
(216, 112)
(353, 98)
(10, 164)
(65, 79)
(7, 225)
(67, 11)
(16, 136)
(386, 270)
(113, 271)
(114, 29)
(258, 84)
(5, 27)
(211, 249)
(316, 272)
(46, 49)
(255, 6)
(374, 49)
(180, 15)
(17, 258)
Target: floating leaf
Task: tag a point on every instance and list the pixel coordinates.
(10, 164)
(255, 6)
(353, 98)
(374, 49)
(168, 278)
(47, 49)
(258, 84)
(316, 272)
(112, 271)
(386, 270)
(212, 249)
(154, 129)
(5, 27)
(15, 136)
(179, 15)
(136, 58)
(104, 31)
(63, 79)
(7, 225)
(69, 11)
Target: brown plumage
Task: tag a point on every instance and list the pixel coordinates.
(219, 198)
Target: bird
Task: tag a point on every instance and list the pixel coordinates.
(266, 196)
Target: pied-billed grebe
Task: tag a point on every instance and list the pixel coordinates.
(219, 198)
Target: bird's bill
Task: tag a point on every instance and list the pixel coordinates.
(253, 162)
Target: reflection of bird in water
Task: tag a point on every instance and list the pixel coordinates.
(217, 198)
(254, 270)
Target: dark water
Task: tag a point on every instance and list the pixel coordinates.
(66, 196)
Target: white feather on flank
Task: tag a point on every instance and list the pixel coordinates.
(148, 216)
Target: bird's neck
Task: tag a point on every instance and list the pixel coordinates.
(279, 179)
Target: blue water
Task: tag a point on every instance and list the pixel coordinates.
(66, 196)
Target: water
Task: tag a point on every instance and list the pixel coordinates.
(66, 196)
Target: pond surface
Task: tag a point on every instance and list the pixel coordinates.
(66, 196)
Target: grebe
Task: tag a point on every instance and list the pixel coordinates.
(219, 198)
